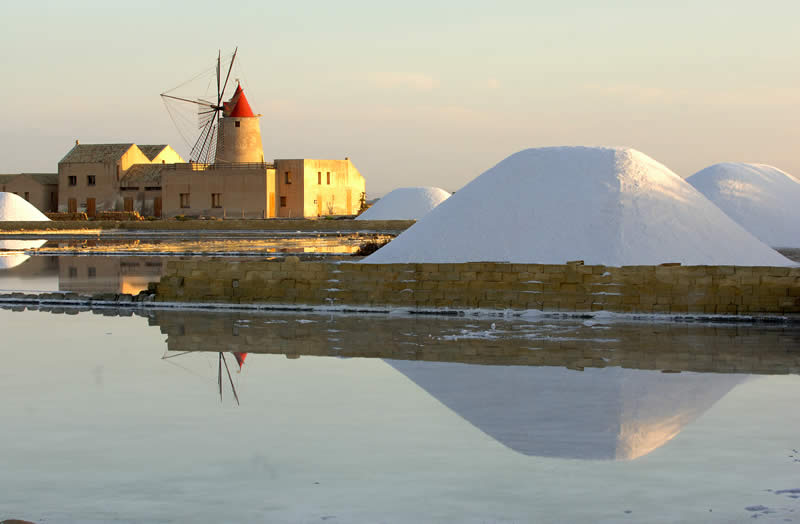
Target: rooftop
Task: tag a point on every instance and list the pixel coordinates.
(90, 153)
(152, 150)
(148, 175)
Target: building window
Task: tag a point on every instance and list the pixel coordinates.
(184, 200)
(216, 199)
(238, 124)
(92, 272)
(91, 180)
(287, 177)
(27, 196)
(329, 178)
(319, 178)
(283, 201)
(73, 272)
(73, 180)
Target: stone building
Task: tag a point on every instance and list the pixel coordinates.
(40, 189)
(155, 181)
(89, 175)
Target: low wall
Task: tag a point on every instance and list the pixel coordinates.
(669, 289)
(212, 225)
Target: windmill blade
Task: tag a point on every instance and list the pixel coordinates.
(230, 378)
(230, 67)
(198, 102)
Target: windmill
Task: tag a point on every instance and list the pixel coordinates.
(203, 144)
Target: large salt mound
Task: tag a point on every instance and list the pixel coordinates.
(604, 206)
(406, 203)
(15, 208)
(762, 199)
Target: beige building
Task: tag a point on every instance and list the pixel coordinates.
(155, 181)
(312, 188)
(89, 175)
(40, 189)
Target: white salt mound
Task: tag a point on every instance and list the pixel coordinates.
(762, 199)
(15, 208)
(406, 203)
(604, 206)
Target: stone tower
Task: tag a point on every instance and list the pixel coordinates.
(239, 138)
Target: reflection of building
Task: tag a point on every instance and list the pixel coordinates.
(94, 275)
(40, 189)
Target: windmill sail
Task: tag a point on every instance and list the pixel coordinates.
(195, 107)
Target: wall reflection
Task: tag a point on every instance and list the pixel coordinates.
(551, 388)
(95, 274)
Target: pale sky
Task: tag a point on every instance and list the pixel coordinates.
(415, 93)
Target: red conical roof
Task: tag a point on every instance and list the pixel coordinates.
(242, 107)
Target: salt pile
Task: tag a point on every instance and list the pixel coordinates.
(406, 203)
(15, 208)
(762, 199)
(604, 206)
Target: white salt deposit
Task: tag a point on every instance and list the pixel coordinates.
(406, 203)
(604, 206)
(11, 251)
(15, 208)
(762, 199)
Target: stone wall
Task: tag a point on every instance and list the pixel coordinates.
(572, 287)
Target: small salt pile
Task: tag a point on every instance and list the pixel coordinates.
(16, 209)
(406, 203)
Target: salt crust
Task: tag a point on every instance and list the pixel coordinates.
(604, 206)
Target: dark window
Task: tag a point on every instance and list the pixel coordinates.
(92, 272)
(238, 124)
(329, 178)
(184, 200)
(287, 177)
(283, 201)
(216, 199)
(73, 180)
(319, 178)
(152, 188)
(73, 272)
(91, 180)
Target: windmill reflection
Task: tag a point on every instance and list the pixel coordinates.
(221, 362)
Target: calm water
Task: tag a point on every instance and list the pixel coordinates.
(110, 416)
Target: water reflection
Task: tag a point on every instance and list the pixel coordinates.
(615, 413)
(94, 274)
(12, 252)
(553, 388)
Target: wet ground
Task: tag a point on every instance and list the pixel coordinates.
(111, 416)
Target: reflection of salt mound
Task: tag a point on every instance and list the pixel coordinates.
(604, 206)
(611, 413)
(406, 203)
(16, 208)
(14, 259)
(762, 199)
